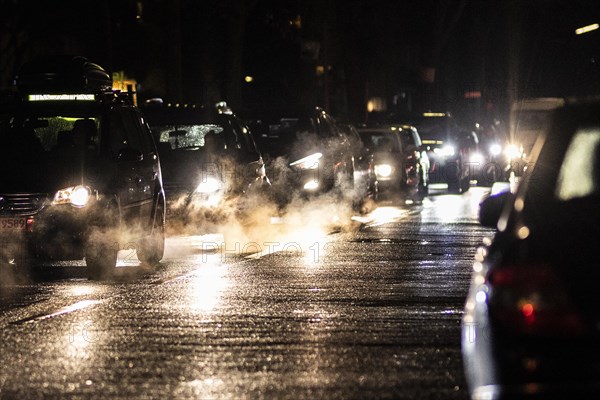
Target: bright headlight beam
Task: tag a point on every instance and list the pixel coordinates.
(80, 196)
(495, 149)
(446, 151)
(383, 170)
(208, 185)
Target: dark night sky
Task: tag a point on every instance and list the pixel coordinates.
(375, 48)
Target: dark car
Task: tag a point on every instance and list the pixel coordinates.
(400, 166)
(452, 150)
(365, 182)
(307, 153)
(80, 171)
(210, 162)
(531, 324)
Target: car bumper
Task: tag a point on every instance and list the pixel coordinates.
(54, 233)
(503, 365)
(538, 390)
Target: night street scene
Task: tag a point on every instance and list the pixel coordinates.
(287, 199)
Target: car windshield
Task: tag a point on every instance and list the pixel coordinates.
(379, 141)
(50, 135)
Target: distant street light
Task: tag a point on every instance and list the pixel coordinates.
(586, 29)
(248, 79)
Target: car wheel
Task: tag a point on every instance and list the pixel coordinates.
(453, 187)
(465, 184)
(152, 248)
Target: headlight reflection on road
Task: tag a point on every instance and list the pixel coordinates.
(381, 216)
(81, 290)
(207, 286)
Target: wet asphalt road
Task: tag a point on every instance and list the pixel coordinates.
(370, 311)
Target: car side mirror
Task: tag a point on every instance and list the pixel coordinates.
(130, 155)
(491, 208)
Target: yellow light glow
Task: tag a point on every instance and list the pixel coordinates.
(429, 141)
(523, 232)
(586, 29)
(248, 79)
(434, 114)
(383, 170)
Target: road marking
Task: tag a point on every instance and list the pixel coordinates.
(80, 305)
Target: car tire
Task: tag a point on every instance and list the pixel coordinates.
(152, 248)
(453, 187)
(465, 184)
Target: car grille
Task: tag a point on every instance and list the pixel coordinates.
(22, 203)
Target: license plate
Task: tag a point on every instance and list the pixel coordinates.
(12, 224)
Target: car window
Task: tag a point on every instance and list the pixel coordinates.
(122, 133)
(407, 138)
(580, 170)
(380, 141)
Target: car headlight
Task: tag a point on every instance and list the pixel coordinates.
(446, 151)
(308, 162)
(311, 185)
(78, 196)
(495, 149)
(383, 170)
(208, 185)
(476, 158)
(513, 151)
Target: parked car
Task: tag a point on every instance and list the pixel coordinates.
(211, 164)
(79, 169)
(452, 150)
(400, 166)
(531, 321)
(308, 154)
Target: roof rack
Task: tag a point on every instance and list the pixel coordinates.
(62, 74)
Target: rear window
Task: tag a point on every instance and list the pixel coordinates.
(185, 136)
(580, 170)
(380, 141)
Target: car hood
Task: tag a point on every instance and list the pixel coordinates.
(44, 176)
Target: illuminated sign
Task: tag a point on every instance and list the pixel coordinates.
(62, 97)
(586, 29)
(433, 114)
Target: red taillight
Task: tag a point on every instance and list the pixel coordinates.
(532, 299)
(410, 167)
(29, 225)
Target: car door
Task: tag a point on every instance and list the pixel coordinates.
(135, 171)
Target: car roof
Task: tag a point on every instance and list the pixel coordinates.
(164, 115)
